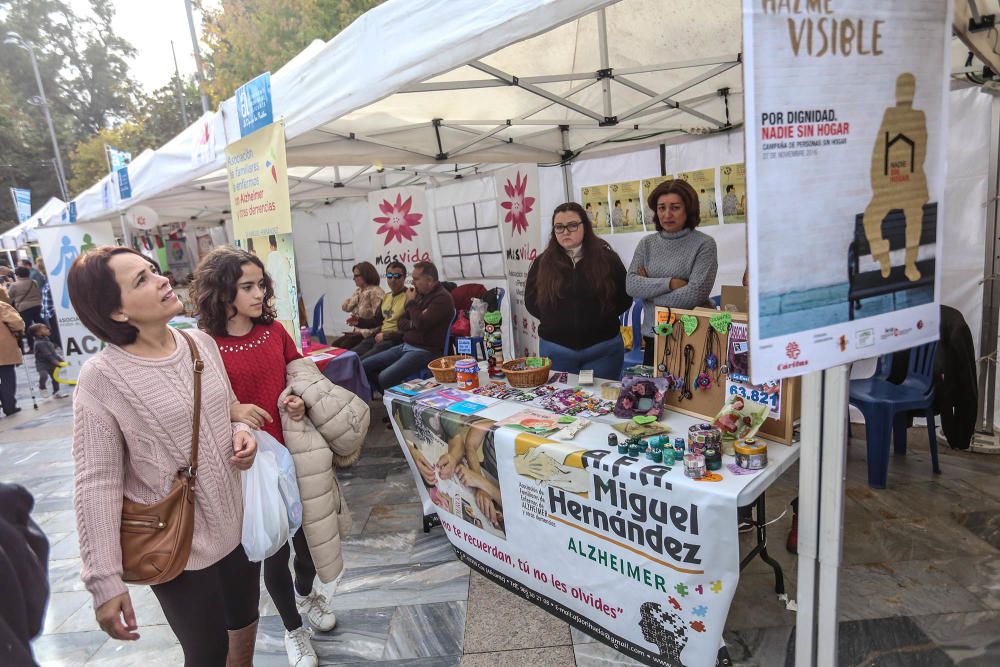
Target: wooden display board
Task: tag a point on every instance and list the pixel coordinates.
(706, 403)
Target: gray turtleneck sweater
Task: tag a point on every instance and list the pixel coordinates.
(688, 254)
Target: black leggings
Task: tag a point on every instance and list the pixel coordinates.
(278, 580)
(201, 605)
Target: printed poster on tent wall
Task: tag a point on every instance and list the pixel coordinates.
(398, 227)
(595, 202)
(846, 138)
(521, 226)
(262, 216)
(733, 182)
(59, 247)
(626, 207)
(703, 182)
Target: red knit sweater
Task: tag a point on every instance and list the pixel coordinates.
(255, 363)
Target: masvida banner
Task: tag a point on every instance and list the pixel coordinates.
(521, 225)
(601, 540)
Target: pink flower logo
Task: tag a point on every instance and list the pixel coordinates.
(397, 222)
(518, 206)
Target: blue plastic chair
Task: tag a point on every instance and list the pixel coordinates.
(316, 330)
(885, 405)
(716, 300)
(633, 318)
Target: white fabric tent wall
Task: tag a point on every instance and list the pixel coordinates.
(24, 233)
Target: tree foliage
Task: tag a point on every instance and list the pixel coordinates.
(248, 37)
(83, 65)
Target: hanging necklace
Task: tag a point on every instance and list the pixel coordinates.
(710, 362)
(688, 365)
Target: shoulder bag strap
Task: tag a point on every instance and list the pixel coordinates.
(199, 366)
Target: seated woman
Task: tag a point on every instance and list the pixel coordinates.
(363, 303)
(576, 288)
(676, 266)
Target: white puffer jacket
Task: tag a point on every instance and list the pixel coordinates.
(329, 437)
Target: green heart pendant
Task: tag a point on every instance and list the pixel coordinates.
(721, 321)
(690, 323)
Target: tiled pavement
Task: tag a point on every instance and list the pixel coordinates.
(920, 582)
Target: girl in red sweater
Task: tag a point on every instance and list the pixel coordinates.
(234, 299)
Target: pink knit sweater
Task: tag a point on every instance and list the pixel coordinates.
(131, 433)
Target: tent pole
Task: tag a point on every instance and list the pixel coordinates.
(821, 506)
(605, 73)
(567, 176)
(991, 288)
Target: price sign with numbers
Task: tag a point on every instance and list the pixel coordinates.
(464, 345)
(768, 394)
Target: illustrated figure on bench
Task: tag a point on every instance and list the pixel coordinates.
(897, 176)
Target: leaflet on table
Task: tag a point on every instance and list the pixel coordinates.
(456, 400)
(415, 388)
(532, 421)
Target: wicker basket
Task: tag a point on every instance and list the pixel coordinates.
(528, 377)
(443, 368)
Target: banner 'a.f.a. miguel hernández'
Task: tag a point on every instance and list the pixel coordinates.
(846, 124)
(645, 563)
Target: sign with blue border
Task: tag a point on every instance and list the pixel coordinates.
(253, 104)
(22, 202)
(124, 185)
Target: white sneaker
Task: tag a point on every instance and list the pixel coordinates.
(59, 394)
(299, 648)
(317, 610)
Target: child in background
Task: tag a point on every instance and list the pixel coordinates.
(47, 358)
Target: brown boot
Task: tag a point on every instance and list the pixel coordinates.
(241, 644)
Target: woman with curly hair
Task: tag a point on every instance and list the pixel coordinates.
(234, 300)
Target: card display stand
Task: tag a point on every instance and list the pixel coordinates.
(707, 402)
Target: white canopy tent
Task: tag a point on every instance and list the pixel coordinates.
(24, 233)
(428, 91)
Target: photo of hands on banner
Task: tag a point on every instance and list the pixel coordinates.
(456, 459)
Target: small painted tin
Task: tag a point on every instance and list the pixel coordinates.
(634, 448)
(679, 448)
(713, 459)
(467, 374)
(613, 441)
(668, 456)
(751, 454)
(694, 465)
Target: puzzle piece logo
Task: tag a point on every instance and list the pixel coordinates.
(700, 610)
(663, 628)
(716, 586)
(698, 626)
(682, 590)
(674, 603)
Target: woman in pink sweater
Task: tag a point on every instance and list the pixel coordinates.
(132, 433)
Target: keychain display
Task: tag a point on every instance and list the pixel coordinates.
(686, 385)
(492, 337)
(710, 362)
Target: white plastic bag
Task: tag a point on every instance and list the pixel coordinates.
(476, 313)
(288, 484)
(265, 521)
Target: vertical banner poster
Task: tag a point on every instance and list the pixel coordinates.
(59, 247)
(846, 140)
(733, 181)
(521, 228)
(703, 182)
(595, 202)
(262, 217)
(398, 227)
(22, 203)
(626, 207)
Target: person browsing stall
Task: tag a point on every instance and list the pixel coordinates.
(676, 266)
(385, 322)
(234, 299)
(576, 288)
(426, 317)
(133, 433)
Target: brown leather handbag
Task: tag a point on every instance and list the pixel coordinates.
(156, 539)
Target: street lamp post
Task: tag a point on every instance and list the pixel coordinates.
(16, 40)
